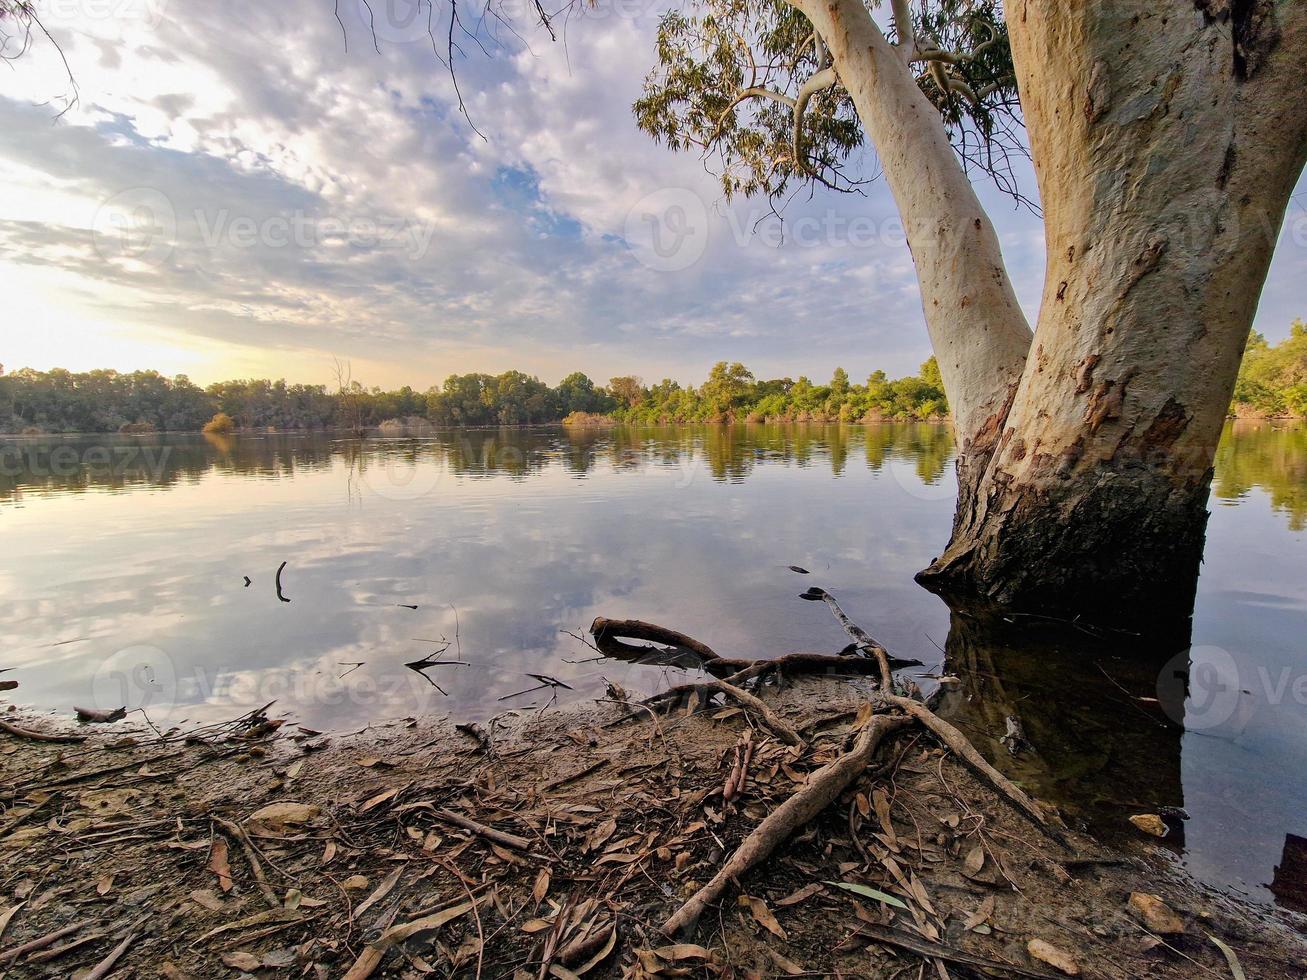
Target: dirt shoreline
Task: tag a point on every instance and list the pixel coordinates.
(588, 832)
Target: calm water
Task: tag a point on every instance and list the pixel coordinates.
(125, 564)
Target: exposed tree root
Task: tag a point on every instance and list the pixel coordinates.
(773, 721)
(960, 745)
(820, 791)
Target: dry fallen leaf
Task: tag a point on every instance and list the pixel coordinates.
(974, 862)
(981, 914)
(207, 899)
(381, 892)
(379, 799)
(241, 961)
(7, 915)
(763, 915)
(218, 863)
(104, 884)
(1058, 959)
(806, 892)
(541, 888)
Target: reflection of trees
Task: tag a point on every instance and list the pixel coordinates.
(1254, 454)
(1266, 455)
(728, 452)
(111, 462)
(1100, 741)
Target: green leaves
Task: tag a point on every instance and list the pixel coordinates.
(729, 70)
(866, 891)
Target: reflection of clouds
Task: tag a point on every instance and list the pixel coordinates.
(521, 553)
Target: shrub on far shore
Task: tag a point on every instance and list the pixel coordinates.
(220, 424)
(589, 419)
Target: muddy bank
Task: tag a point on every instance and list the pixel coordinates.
(559, 845)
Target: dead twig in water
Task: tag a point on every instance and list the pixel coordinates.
(857, 634)
(281, 568)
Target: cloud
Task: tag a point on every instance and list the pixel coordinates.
(314, 200)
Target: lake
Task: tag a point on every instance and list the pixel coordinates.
(126, 559)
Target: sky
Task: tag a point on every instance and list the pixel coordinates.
(253, 189)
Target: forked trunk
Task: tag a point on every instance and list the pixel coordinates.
(1167, 140)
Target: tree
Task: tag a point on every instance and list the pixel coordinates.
(626, 390)
(1166, 139)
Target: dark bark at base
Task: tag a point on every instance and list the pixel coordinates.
(1115, 546)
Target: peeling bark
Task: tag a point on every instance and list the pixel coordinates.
(1162, 206)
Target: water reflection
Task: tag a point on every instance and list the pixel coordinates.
(1094, 731)
(126, 559)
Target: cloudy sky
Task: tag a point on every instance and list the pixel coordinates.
(238, 192)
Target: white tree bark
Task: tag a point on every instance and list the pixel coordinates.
(1167, 137)
(978, 331)
(1166, 143)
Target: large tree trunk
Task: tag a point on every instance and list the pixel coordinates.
(1166, 140)
(977, 328)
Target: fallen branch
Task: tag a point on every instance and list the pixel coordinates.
(636, 629)
(959, 743)
(773, 721)
(938, 951)
(252, 857)
(857, 634)
(39, 736)
(41, 942)
(467, 823)
(102, 968)
(820, 791)
(281, 568)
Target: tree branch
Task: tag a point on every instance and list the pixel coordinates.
(819, 82)
(907, 39)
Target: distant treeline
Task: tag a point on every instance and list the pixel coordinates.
(1272, 383)
(146, 401)
(1273, 380)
